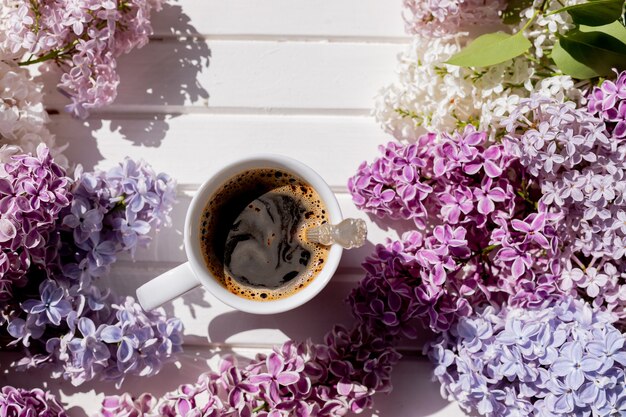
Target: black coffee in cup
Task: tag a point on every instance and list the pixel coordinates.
(252, 234)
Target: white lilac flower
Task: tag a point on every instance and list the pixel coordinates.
(22, 116)
(544, 30)
(430, 95)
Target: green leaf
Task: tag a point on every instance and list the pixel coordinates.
(569, 65)
(491, 49)
(511, 14)
(615, 29)
(594, 12)
(589, 53)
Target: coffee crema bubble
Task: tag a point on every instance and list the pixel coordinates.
(252, 234)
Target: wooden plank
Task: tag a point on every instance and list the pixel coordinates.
(414, 394)
(193, 147)
(284, 18)
(174, 76)
(209, 322)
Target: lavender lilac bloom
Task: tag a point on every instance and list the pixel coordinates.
(481, 236)
(71, 232)
(563, 359)
(18, 402)
(295, 379)
(33, 191)
(609, 102)
(578, 157)
(84, 38)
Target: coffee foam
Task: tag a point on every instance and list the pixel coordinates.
(252, 184)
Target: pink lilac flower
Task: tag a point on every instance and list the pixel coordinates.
(609, 102)
(19, 402)
(481, 236)
(296, 379)
(84, 38)
(560, 359)
(32, 194)
(437, 18)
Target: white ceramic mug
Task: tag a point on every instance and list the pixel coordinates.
(194, 273)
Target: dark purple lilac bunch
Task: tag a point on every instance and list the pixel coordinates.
(54, 312)
(18, 402)
(608, 101)
(303, 380)
(579, 160)
(32, 193)
(84, 38)
(481, 237)
(396, 184)
(561, 359)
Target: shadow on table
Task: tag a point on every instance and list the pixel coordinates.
(311, 320)
(155, 81)
(414, 394)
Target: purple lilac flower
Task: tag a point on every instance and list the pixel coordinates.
(19, 402)
(481, 236)
(32, 194)
(84, 38)
(560, 359)
(395, 184)
(608, 101)
(126, 406)
(577, 156)
(113, 211)
(63, 236)
(51, 307)
(295, 379)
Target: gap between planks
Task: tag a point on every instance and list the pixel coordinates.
(140, 111)
(378, 40)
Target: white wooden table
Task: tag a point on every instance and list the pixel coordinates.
(222, 78)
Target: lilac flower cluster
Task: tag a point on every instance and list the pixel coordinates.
(33, 191)
(302, 380)
(112, 211)
(437, 18)
(54, 311)
(578, 159)
(18, 402)
(609, 102)
(481, 238)
(84, 38)
(562, 359)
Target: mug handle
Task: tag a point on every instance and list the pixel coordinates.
(167, 286)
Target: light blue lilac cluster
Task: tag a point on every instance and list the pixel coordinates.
(54, 311)
(295, 379)
(563, 359)
(578, 156)
(481, 235)
(112, 211)
(19, 402)
(84, 38)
